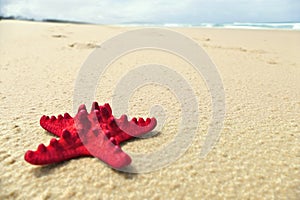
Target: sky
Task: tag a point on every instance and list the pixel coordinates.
(155, 11)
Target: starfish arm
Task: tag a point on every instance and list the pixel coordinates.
(56, 125)
(67, 147)
(70, 146)
(106, 149)
(131, 129)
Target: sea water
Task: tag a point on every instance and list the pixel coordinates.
(235, 25)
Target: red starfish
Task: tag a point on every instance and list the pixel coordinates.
(97, 133)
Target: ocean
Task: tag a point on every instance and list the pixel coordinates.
(235, 25)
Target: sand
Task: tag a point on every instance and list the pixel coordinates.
(257, 156)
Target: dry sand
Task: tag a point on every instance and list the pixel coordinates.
(257, 156)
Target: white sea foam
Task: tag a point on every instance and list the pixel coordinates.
(235, 25)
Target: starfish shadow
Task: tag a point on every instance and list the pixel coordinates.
(48, 169)
(151, 134)
(50, 134)
(127, 175)
(130, 172)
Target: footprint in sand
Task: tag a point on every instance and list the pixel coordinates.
(272, 62)
(58, 36)
(88, 45)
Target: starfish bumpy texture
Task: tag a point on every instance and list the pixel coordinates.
(97, 134)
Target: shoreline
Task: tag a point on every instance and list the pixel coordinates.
(171, 26)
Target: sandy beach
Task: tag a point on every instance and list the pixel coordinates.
(258, 153)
